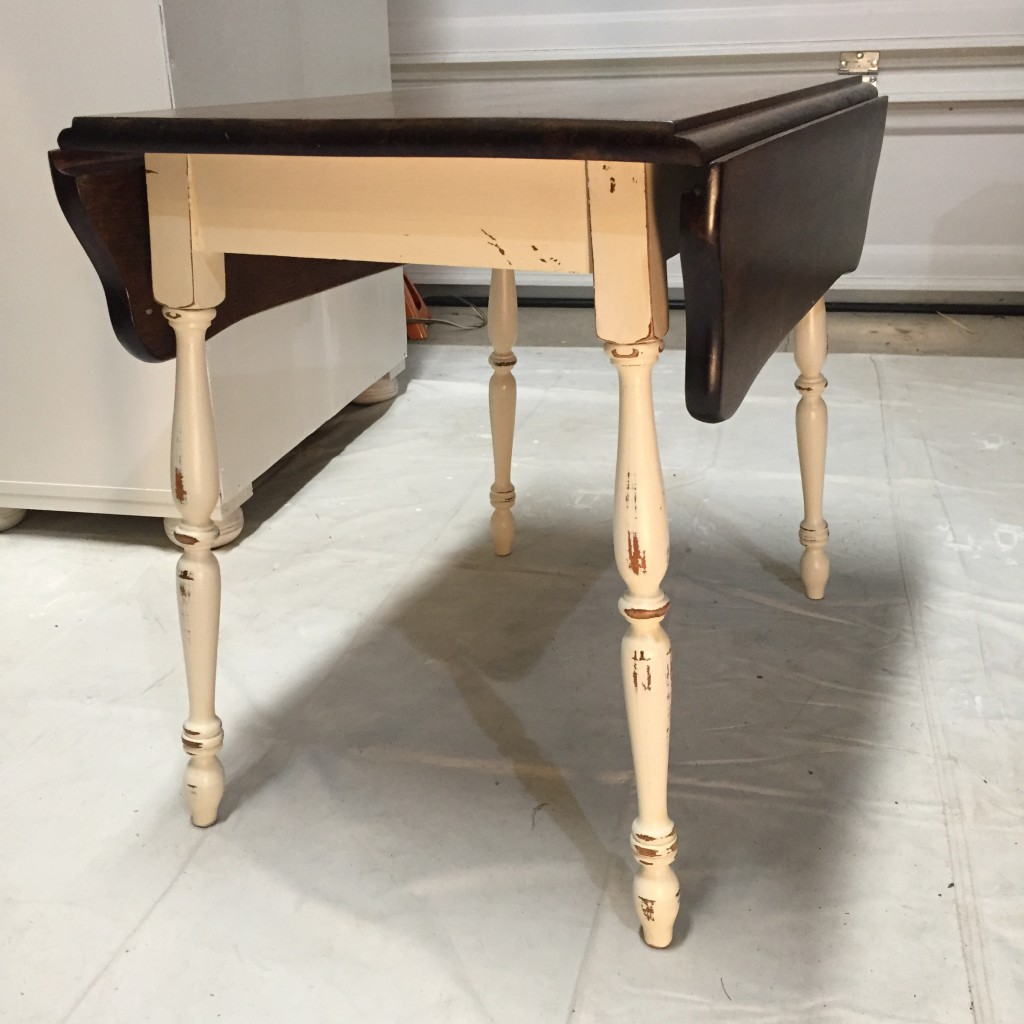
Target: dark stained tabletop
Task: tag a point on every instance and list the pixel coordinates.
(773, 191)
(629, 119)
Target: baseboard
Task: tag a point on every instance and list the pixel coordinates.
(127, 501)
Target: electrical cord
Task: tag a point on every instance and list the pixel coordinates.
(480, 314)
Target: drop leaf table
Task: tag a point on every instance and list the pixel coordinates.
(216, 213)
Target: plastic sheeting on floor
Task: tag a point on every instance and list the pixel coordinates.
(429, 780)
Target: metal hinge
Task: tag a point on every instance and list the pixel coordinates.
(860, 62)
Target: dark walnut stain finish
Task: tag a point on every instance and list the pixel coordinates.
(771, 230)
(630, 120)
(103, 197)
(775, 189)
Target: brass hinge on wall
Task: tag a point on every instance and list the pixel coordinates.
(860, 62)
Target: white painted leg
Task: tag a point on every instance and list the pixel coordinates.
(631, 310)
(502, 325)
(10, 517)
(811, 437)
(195, 482)
(641, 554)
(228, 528)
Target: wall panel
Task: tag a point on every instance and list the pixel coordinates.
(948, 219)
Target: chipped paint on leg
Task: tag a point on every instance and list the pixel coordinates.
(637, 558)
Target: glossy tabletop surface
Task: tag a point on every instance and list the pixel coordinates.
(646, 119)
(767, 202)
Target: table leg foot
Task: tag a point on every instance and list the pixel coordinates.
(811, 439)
(655, 887)
(195, 482)
(641, 554)
(204, 774)
(202, 735)
(502, 321)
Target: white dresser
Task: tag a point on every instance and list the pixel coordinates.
(84, 426)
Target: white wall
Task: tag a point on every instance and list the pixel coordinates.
(446, 30)
(84, 425)
(52, 314)
(948, 216)
(245, 52)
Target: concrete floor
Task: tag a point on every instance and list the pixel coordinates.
(871, 333)
(429, 779)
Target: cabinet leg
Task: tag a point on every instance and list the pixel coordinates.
(195, 482)
(502, 322)
(10, 517)
(382, 390)
(811, 436)
(641, 554)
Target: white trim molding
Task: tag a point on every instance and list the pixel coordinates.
(460, 33)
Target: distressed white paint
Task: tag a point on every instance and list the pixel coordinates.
(632, 316)
(640, 532)
(810, 348)
(608, 212)
(627, 251)
(195, 480)
(229, 526)
(502, 325)
(529, 214)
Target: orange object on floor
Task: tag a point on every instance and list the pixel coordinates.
(415, 309)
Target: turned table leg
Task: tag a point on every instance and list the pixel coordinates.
(641, 554)
(631, 313)
(195, 482)
(501, 326)
(811, 436)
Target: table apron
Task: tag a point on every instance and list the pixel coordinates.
(524, 214)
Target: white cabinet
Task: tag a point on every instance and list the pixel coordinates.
(83, 425)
